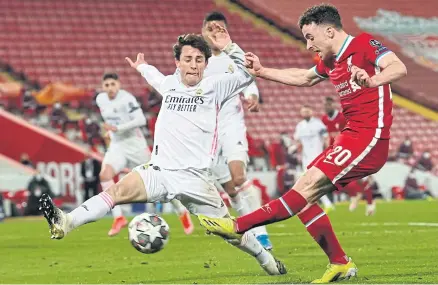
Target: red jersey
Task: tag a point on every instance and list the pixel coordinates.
(335, 124)
(363, 108)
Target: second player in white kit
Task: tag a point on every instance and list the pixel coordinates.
(230, 168)
(128, 148)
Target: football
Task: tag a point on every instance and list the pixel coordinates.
(148, 233)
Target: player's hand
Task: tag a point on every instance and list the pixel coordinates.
(220, 37)
(361, 77)
(109, 127)
(253, 103)
(140, 60)
(252, 63)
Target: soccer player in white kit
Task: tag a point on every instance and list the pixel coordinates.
(230, 169)
(123, 119)
(186, 141)
(312, 137)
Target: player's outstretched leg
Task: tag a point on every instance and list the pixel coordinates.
(184, 216)
(249, 244)
(309, 189)
(128, 190)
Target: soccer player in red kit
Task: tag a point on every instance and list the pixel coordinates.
(361, 69)
(333, 119)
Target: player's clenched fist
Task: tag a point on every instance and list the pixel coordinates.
(361, 77)
(252, 63)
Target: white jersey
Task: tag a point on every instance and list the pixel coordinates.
(186, 132)
(311, 135)
(124, 113)
(231, 114)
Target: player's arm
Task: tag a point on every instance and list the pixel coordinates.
(392, 70)
(391, 67)
(149, 72)
(291, 76)
(251, 94)
(229, 85)
(135, 114)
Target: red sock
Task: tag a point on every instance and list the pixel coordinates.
(277, 210)
(319, 227)
(369, 196)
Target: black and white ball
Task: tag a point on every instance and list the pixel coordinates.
(148, 233)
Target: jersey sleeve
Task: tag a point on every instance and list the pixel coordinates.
(136, 116)
(252, 89)
(319, 70)
(230, 85)
(152, 75)
(374, 50)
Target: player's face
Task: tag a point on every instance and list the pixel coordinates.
(318, 39)
(111, 87)
(207, 32)
(329, 107)
(191, 65)
(306, 113)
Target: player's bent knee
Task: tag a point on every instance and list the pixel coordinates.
(107, 173)
(128, 190)
(313, 185)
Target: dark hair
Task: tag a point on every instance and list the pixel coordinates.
(193, 40)
(110, 76)
(215, 16)
(306, 106)
(329, 99)
(321, 14)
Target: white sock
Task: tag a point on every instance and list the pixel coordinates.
(239, 204)
(178, 207)
(91, 210)
(250, 245)
(253, 200)
(326, 202)
(117, 212)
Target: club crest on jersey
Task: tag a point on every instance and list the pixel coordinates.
(199, 92)
(375, 43)
(231, 68)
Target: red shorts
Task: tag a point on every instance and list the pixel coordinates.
(353, 188)
(354, 155)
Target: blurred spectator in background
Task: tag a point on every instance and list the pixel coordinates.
(412, 190)
(333, 119)
(90, 169)
(37, 186)
(424, 163)
(59, 118)
(406, 149)
(92, 131)
(25, 160)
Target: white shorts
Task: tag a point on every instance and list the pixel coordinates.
(121, 155)
(194, 188)
(221, 171)
(234, 145)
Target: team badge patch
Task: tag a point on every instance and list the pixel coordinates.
(375, 43)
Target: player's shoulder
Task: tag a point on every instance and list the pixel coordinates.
(364, 40)
(101, 98)
(125, 94)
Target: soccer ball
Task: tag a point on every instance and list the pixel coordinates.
(148, 233)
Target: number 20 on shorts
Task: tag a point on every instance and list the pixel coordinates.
(338, 156)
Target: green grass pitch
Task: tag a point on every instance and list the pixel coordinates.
(397, 245)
